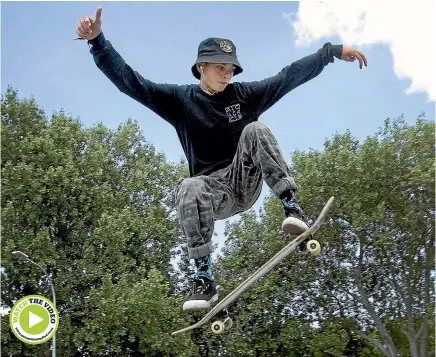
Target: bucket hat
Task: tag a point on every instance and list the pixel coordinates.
(216, 50)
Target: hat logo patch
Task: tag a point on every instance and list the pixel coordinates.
(225, 46)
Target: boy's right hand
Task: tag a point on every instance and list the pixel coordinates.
(89, 28)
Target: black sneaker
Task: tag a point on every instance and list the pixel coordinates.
(295, 222)
(204, 295)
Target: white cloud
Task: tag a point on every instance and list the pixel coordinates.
(408, 28)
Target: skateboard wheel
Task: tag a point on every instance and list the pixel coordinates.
(218, 327)
(228, 323)
(313, 247)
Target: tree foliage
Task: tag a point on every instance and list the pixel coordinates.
(94, 207)
(374, 276)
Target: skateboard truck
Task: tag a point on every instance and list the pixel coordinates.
(224, 322)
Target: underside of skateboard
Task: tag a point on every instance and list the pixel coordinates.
(223, 322)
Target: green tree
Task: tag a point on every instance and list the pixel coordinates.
(382, 253)
(374, 275)
(95, 208)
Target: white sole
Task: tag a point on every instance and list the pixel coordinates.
(192, 305)
(294, 226)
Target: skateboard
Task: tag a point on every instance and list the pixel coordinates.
(220, 309)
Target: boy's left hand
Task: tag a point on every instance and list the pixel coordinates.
(350, 55)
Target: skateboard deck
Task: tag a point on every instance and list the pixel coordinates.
(313, 247)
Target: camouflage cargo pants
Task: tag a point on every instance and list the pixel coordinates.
(201, 200)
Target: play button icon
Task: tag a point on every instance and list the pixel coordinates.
(34, 319)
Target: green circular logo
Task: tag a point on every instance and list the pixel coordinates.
(34, 319)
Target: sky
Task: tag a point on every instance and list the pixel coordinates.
(160, 41)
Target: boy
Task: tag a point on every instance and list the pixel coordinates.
(229, 151)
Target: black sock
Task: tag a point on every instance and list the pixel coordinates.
(287, 195)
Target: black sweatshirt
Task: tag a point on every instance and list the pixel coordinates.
(209, 127)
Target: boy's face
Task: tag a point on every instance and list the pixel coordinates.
(217, 75)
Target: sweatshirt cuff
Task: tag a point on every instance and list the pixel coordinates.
(337, 51)
(98, 43)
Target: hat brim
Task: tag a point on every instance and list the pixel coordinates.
(216, 59)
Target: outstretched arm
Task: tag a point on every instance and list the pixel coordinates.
(160, 98)
(265, 93)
